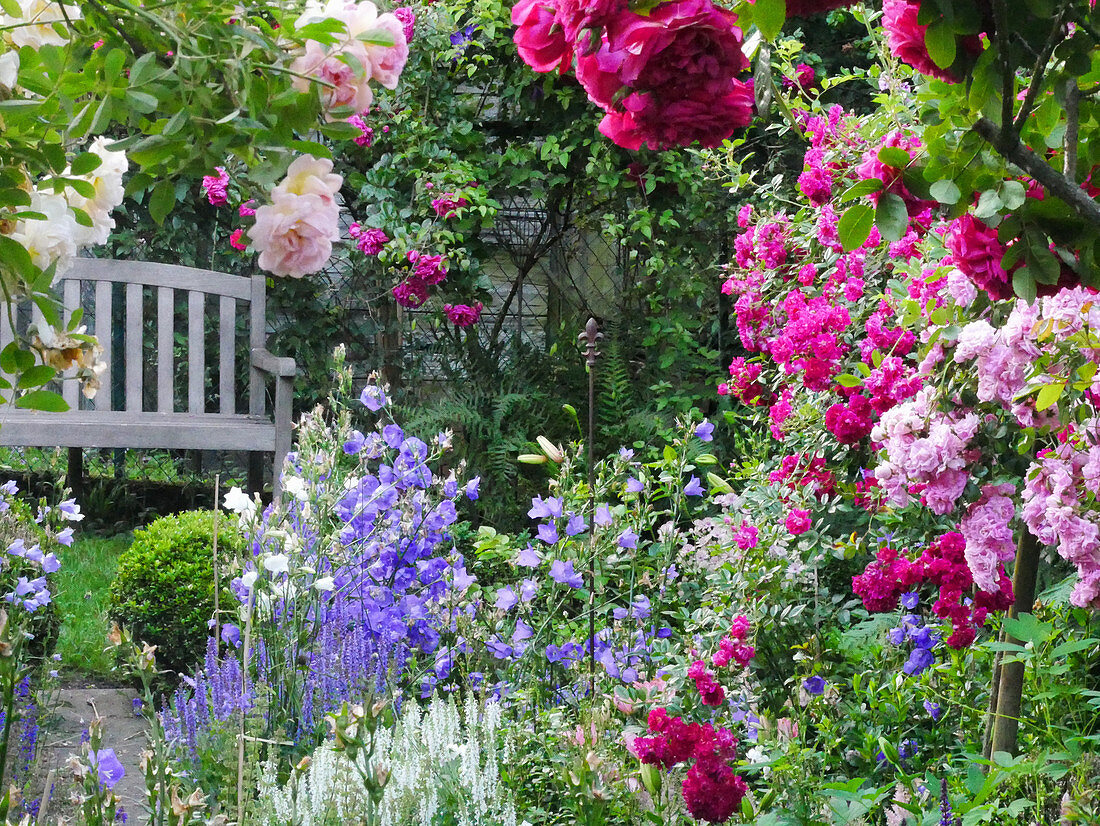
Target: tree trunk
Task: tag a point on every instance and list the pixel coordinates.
(1011, 688)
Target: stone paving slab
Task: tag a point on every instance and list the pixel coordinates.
(123, 731)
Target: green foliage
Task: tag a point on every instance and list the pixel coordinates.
(164, 589)
(83, 586)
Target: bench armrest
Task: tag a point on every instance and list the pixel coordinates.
(280, 366)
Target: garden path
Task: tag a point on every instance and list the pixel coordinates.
(123, 730)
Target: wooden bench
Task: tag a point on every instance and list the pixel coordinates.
(141, 366)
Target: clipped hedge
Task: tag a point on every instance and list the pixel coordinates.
(163, 591)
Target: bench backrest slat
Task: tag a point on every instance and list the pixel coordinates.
(166, 339)
(135, 361)
(257, 338)
(227, 329)
(156, 275)
(196, 353)
(70, 298)
(103, 333)
(6, 334)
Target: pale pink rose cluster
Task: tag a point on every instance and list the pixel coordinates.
(294, 233)
(925, 452)
(1054, 509)
(373, 48)
(989, 537)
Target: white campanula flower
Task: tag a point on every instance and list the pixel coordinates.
(296, 486)
(325, 583)
(239, 502)
(277, 564)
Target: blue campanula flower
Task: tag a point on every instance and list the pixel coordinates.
(373, 398)
(628, 539)
(471, 489)
(354, 443)
(603, 516)
(528, 589)
(548, 533)
(694, 487)
(546, 509)
(528, 558)
(814, 685)
(563, 573)
(575, 525)
(634, 485)
(506, 598)
(705, 432)
(919, 660)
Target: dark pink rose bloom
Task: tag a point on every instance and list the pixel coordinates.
(216, 187)
(576, 16)
(685, 47)
(539, 37)
(977, 253)
(407, 16)
(462, 315)
(412, 292)
(680, 122)
(906, 39)
(447, 205)
(598, 73)
(428, 268)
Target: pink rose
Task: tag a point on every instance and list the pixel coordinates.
(308, 175)
(462, 315)
(345, 88)
(387, 62)
(685, 47)
(294, 234)
(539, 38)
(412, 292)
(407, 16)
(216, 187)
(575, 16)
(797, 522)
(679, 122)
(235, 240)
(977, 253)
(906, 39)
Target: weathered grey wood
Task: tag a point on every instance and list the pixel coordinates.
(103, 334)
(161, 275)
(257, 338)
(196, 353)
(166, 428)
(70, 299)
(135, 362)
(125, 428)
(166, 339)
(7, 334)
(227, 328)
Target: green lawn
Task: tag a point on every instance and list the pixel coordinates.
(87, 569)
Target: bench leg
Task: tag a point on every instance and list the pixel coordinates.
(74, 474)
(255, 472)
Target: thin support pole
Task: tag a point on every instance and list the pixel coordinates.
(590, 337)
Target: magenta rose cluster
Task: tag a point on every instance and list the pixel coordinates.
(667, 78)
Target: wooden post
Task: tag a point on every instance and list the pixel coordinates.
(1010, 690)
(74, 473)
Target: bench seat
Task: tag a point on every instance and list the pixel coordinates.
(124, 429)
